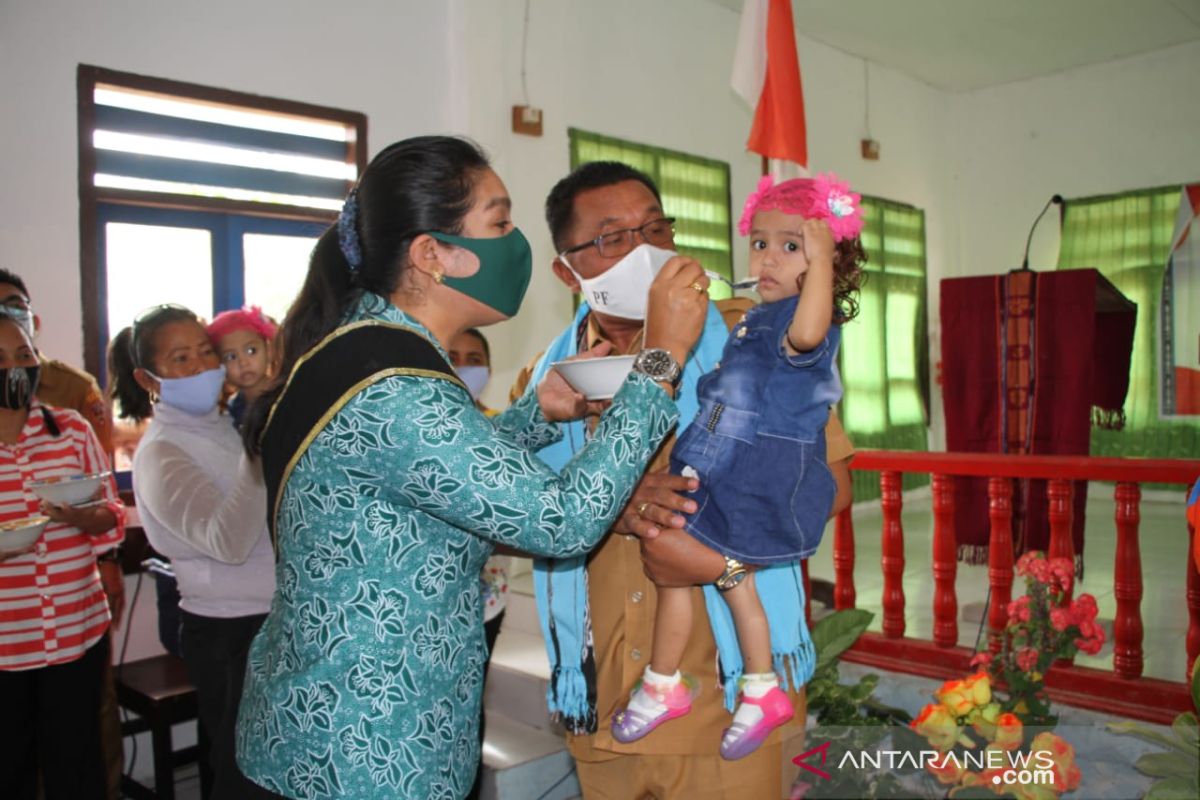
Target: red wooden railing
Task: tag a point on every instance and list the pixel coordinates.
(1122, 691)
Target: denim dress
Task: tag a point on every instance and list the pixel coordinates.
(757, 444)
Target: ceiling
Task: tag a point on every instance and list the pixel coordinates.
(962, 45)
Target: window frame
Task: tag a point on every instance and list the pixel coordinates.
(577, 136)
(93, 280)
(894, 435)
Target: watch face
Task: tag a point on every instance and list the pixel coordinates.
(657, 364)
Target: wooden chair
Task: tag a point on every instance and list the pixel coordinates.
(158, 691)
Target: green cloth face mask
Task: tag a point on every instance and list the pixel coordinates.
(505, 267)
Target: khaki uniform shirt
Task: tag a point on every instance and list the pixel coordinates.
(622, 604)
(64, 386)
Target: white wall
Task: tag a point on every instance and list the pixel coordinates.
(980, 164)
(1128, 124)
(658, 73)
(387, 58)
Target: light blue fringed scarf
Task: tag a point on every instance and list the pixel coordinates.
(561, 584)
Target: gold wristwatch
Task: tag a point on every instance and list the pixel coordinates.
(735, 573)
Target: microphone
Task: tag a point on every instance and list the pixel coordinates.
(1055, 200)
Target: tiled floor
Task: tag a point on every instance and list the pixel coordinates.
(1163, 541)
(1164, 611)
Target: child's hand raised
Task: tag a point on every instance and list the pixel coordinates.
(818, 246)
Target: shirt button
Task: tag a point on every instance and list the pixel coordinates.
(636, 597)
(635, 654)
(741, 332)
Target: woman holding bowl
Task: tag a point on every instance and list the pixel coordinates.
(54, 617)
(389, 488)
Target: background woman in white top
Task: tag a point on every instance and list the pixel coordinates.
(203, 505)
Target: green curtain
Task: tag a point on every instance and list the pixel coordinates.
(884, 361)
(694, 190)
(1127, 237)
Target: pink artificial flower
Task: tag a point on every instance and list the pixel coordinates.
(1019, 609)
(1061, 618)
(1084, 607)
(1027, 659)
(981, 660)
(842, 208)
(1026, 560)
(1062, 572)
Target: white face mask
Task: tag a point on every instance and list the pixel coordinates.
(475, 378)
(623, 289)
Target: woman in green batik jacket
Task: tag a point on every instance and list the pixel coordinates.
(388, 488)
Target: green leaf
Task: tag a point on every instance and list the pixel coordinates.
(1185, 727)
(834, 634)
(1166, 765)
(1173, 789)
(864, 688)
(1148, 735)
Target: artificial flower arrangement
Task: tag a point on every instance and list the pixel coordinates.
(986, 741)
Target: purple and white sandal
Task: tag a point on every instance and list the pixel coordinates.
(740, 740)
(629, 725)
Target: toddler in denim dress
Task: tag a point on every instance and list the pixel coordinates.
(757, 444)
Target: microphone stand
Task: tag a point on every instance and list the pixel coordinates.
(1055, 200)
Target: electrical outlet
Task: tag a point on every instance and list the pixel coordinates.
(870, 149)
(527, 120)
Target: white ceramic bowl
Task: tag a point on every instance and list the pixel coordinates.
(69, 489)
(596, 378)
(17, 534)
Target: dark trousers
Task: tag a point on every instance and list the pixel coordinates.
(215, 650)
(491, 630)
(51, 724)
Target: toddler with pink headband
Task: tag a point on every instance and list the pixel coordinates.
(757, 447)
(242, 338)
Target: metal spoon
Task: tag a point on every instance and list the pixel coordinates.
(744, 283)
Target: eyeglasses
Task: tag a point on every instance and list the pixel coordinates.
(658, 232)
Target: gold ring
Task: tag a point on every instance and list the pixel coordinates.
(696, 285)
(641, 509)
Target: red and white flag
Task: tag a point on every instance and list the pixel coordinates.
(766, 74)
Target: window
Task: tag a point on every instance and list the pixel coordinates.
(884, 354)
(201, 196)
(694, 190)
(1127, 237)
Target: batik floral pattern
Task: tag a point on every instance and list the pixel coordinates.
(366, 678)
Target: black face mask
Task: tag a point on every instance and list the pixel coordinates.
(17, 385)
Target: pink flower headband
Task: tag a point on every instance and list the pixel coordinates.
(237, 319)
(823, 197)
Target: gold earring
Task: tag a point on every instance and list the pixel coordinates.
(437, 277)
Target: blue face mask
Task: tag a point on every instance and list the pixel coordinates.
(475, 378)
(196, 394)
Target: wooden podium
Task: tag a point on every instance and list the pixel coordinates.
(1030, 361)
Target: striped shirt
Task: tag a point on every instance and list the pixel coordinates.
(52, 607)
